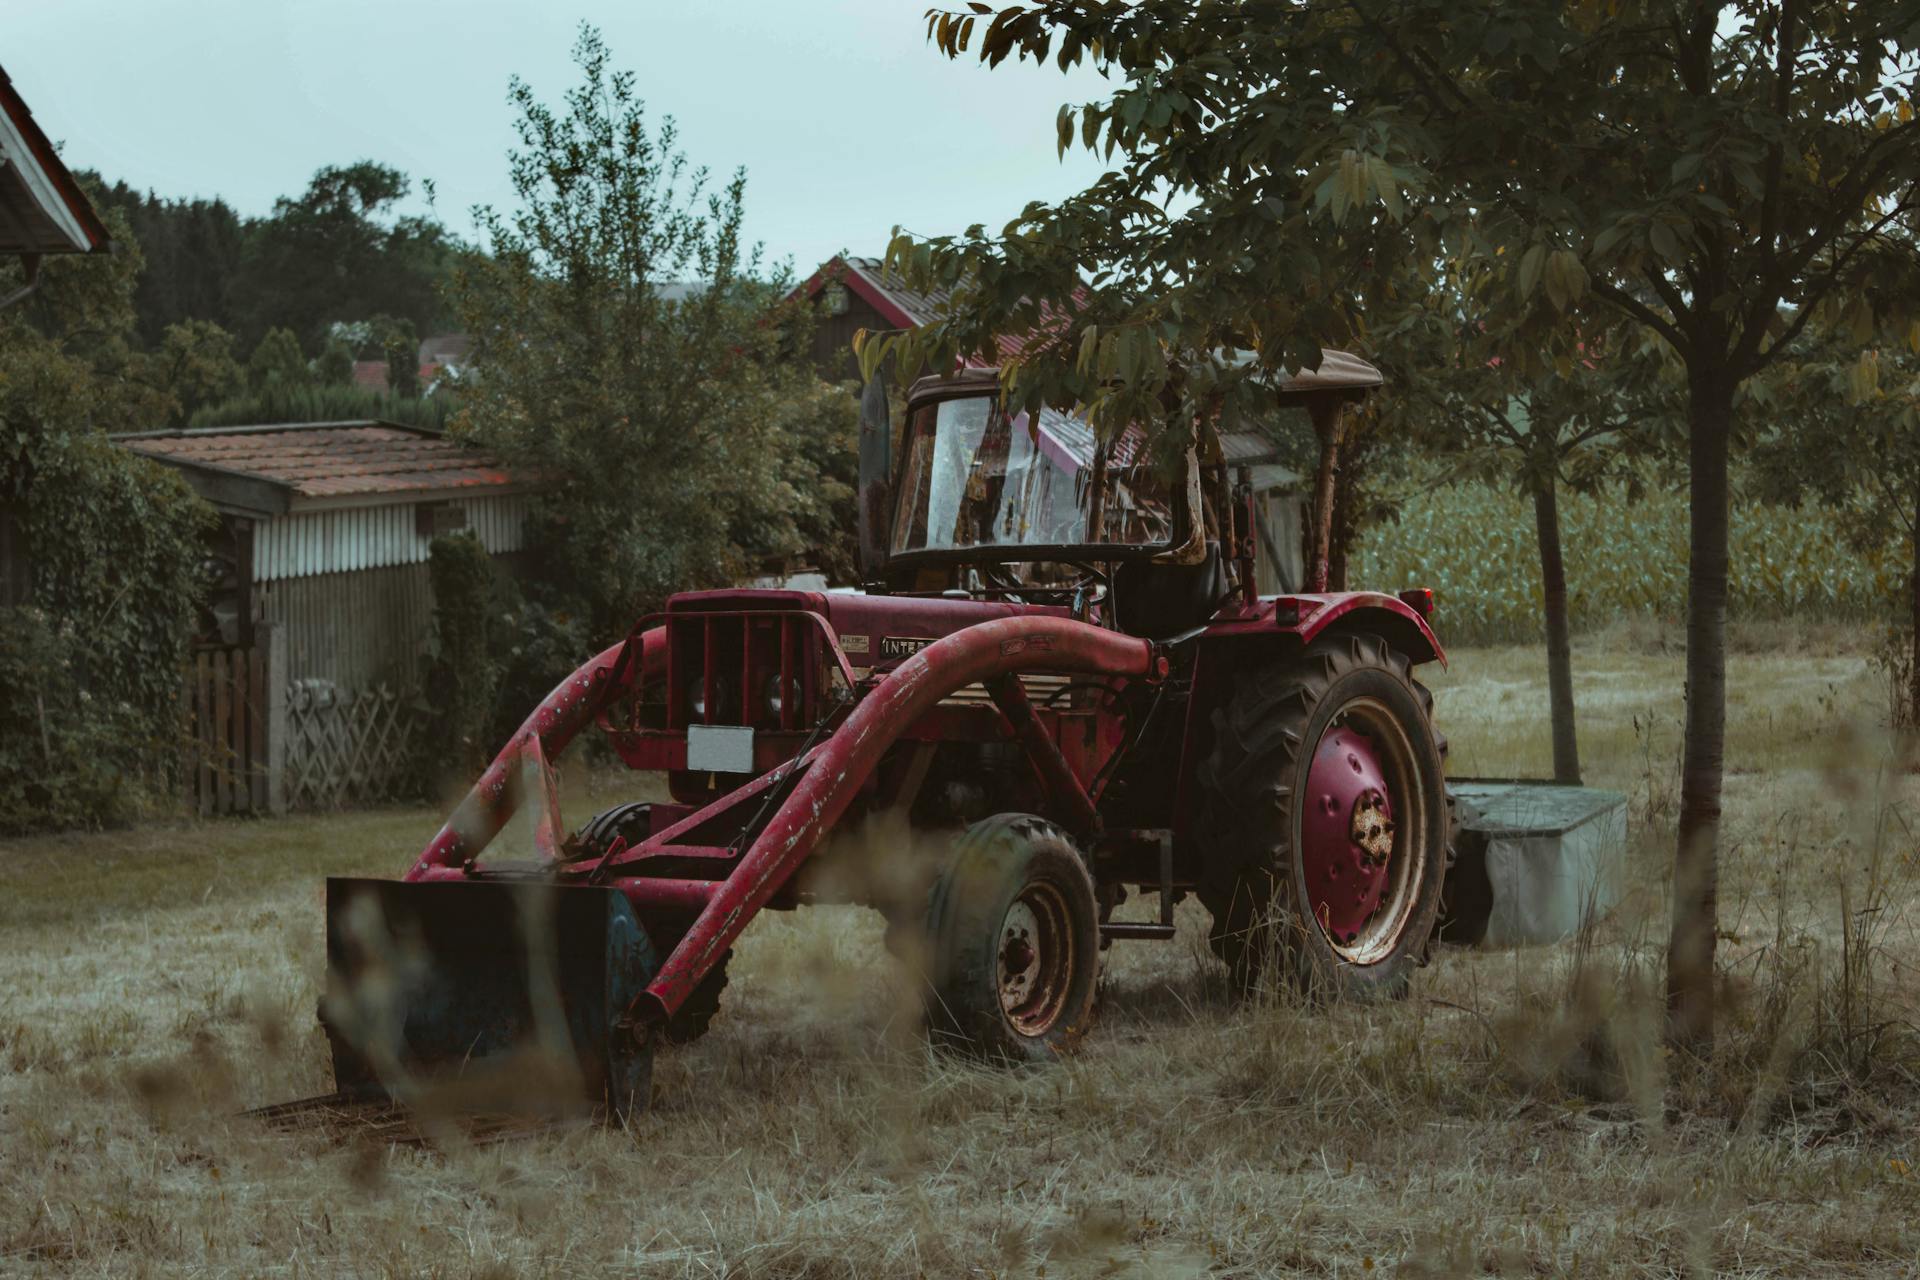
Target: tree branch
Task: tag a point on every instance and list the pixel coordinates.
(1749, 348)
(1643, 313)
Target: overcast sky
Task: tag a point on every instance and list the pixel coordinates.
(846, 119)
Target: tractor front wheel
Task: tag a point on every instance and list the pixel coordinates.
(1324, 826)
(1013, 943)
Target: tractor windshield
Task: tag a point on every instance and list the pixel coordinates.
(974, 477)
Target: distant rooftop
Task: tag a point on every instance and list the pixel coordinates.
(901, 306)
(272, 469)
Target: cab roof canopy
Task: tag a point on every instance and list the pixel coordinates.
(1338, 372)
(42, 209)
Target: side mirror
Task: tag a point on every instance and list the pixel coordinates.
(876, 478)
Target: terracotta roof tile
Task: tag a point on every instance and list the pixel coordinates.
(328, 460)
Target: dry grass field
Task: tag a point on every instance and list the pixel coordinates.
(1516, 1116)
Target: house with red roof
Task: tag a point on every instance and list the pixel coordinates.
(325, 530)
(42, 209)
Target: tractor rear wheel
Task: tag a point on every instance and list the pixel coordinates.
(1324, 821)
(1013, 943)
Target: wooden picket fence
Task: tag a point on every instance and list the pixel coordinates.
(349, 746)
(257, 742)
(231, 763)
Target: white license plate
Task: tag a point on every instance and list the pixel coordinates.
(720, 748)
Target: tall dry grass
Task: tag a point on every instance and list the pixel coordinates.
(1517, 1115)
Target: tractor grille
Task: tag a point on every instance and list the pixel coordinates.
(1042, 690)
(760, 668)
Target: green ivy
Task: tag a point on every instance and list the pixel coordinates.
(90, 686)
(463, 674)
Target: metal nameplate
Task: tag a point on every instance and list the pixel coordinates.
(720, 748)
(903, 646)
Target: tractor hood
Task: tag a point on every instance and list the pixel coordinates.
(872, 630)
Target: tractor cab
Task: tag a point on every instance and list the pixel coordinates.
(967, 497)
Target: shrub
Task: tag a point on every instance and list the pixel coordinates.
(327, 404)
(91, 679)
(67, 758)
(463, 674)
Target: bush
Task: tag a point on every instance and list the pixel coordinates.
(67, 758)
(91, 679)
(327, 404)
(462, 675)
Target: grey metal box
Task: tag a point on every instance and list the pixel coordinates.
(1535, 860)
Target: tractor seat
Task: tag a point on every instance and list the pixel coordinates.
(1155, 601)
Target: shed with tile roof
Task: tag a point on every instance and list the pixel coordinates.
(326, 530)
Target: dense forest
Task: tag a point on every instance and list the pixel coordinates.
(251, 319)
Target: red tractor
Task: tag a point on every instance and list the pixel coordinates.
(1060, 668)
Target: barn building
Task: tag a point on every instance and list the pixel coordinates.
(851, 293)
(325, 529)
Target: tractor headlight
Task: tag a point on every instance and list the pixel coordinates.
(697, 697)
(776, 697)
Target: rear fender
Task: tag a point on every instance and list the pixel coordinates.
(1369, 613)
(1277, 627)
(1305, 618)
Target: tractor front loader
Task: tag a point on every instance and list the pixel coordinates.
(1060, 673)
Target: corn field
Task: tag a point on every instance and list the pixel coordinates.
(1475, 547)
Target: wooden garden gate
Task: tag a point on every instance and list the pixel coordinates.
(236, 715)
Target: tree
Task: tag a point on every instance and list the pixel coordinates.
(190, 250)
(333, 367)
(401, 347)
(192, 366)
(1851, 439)
(1715, 173)
(1546, 409)
(339, 251)
(658, 418)
(277, 364)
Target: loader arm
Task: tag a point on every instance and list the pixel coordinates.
(485, 994)
(834, 773)
(526, 761)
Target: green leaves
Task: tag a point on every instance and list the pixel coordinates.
(672, 426)
(1566, 279)
(1531, 263)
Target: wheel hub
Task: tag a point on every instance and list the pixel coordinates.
(1346, 834)
(1035, 960)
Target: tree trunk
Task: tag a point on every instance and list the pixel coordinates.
(1340, 528)
(1553, 577)
(1913, 617)
(1327, 414)
(1690, 947)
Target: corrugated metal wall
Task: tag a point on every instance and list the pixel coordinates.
(324, 542)
(355, 629)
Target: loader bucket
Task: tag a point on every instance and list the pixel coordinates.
(496, 997)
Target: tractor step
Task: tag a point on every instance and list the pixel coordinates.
(1119, 929)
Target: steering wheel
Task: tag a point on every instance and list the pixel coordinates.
(1088, 589)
